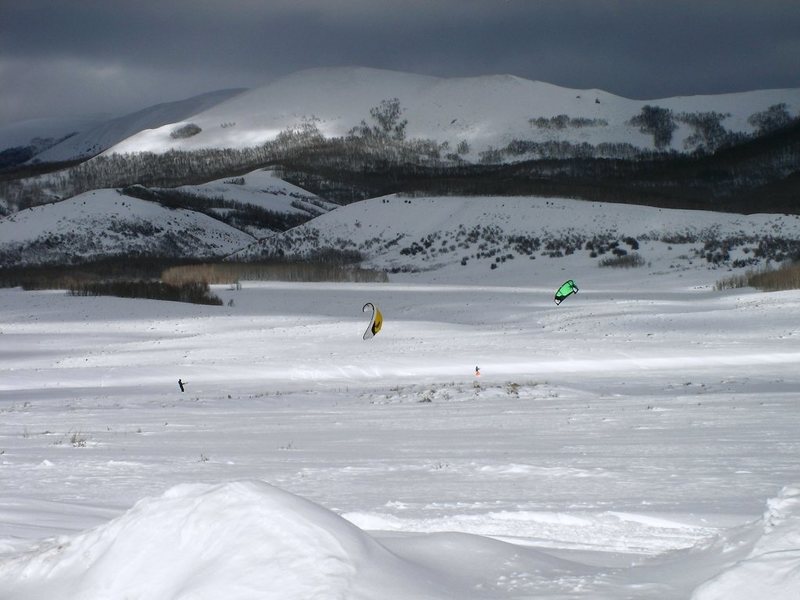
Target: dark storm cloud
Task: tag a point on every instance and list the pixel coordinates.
(85, 56)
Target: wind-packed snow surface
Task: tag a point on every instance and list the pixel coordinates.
(640, 440)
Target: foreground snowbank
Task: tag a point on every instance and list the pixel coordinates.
(772, 570)
(249, 540)
(238, 540)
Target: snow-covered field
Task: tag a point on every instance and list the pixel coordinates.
(638, 441)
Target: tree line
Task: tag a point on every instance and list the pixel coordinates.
(377, 157)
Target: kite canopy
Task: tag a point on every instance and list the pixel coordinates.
(567, 289)
(375, 323)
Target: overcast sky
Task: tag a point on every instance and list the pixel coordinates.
(88, 57)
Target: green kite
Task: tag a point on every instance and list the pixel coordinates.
(567, 289)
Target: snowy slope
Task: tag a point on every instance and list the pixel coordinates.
(527, 234)
(91, 141)
(105, 223)
(262, 189)
(487, 111)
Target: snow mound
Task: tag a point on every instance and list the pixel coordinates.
(239, 540)
(772, 569)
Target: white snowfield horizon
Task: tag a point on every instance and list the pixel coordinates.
(637, 441)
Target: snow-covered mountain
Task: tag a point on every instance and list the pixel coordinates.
(353, 133)
(483, 112)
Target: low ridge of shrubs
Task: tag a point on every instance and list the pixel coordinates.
(62, 277)
(785, 277)
(298, 271)
(178, 280)
(623, 261)
(195, 292)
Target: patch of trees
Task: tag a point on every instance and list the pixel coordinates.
(563, 150)
(194, 292)
(186, 131)
(233, 272)
(561, 122)
(623, 261)
(708, 132)
(109, 269)
(658, 122)
(387, 123)
(772, 119)
(785, 277)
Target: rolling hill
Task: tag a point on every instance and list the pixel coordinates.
(103, 224)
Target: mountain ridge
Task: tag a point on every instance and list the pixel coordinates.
(485, 111)
(346, 134)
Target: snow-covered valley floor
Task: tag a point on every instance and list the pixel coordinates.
(633, 442)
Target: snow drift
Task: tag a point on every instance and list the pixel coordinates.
(245, 540)
(772, 569)
(235, 541)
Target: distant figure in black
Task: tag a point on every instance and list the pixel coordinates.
(477, 372)
(181, 384)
